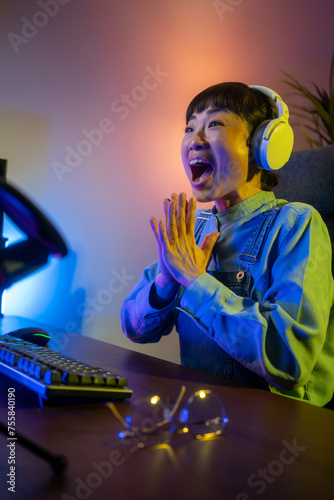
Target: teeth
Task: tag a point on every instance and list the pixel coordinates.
(197, 161)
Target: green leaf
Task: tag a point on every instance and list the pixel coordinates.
(306, 117)
(331, 74)
(331, 118)
(320, 117)
(308, 140)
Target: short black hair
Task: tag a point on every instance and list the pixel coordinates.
(250, 104)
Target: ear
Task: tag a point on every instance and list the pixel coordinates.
(251, 151)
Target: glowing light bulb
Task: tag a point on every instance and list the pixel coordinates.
(154, 400)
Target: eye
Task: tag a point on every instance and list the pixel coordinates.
(188, 129)
(215, 123)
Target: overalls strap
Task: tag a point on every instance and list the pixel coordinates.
(201, 222)
(254, 245)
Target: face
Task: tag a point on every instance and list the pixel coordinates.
(214, 154)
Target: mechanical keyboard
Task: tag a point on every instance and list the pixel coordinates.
(55, 378)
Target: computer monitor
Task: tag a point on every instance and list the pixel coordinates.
(43, 239)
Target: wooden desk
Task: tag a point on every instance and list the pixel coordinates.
(272, 448)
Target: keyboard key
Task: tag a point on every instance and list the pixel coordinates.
(98, 380)
(70, 378)
(111, 381)
(31, 368)
(52, 377)
(121, 381)
(20, 363)
(25, 366)
(39, 371)
(13, 358)
(7, 356)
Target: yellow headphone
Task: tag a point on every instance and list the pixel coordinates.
(273, 139)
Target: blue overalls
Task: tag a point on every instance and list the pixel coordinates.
(199, 351)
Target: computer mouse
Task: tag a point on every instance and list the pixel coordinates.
(31, 334)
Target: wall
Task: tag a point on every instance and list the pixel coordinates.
(92, 102)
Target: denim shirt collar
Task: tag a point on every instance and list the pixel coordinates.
(244, 207)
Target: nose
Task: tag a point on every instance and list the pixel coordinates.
(198, 141)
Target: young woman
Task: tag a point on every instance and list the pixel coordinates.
(248, 284)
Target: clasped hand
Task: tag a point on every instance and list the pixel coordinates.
(181, 259)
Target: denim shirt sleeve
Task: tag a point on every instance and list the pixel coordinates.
(139, 320)
(280, 333)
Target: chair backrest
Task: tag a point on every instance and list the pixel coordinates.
(308, 177)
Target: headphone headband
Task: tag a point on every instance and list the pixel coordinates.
(282, 108)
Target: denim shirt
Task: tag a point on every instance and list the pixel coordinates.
(199, 351)
(282, 330)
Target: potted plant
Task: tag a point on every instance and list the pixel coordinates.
(317, 118)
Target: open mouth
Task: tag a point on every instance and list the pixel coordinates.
(200, 169)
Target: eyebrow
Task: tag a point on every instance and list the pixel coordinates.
(210, 111)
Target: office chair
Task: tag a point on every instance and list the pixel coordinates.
(308, 177)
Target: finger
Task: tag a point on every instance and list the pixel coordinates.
(163, 237)
(171, 223)
(205, 241)
(174, 198)
(186, 209)
(190, 217)
(210, 241)
(181, 214)
(166, 203)
(155, 228)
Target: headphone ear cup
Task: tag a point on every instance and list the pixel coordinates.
(257, 138)
(272, 142)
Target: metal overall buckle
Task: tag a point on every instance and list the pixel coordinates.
(241, 273)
